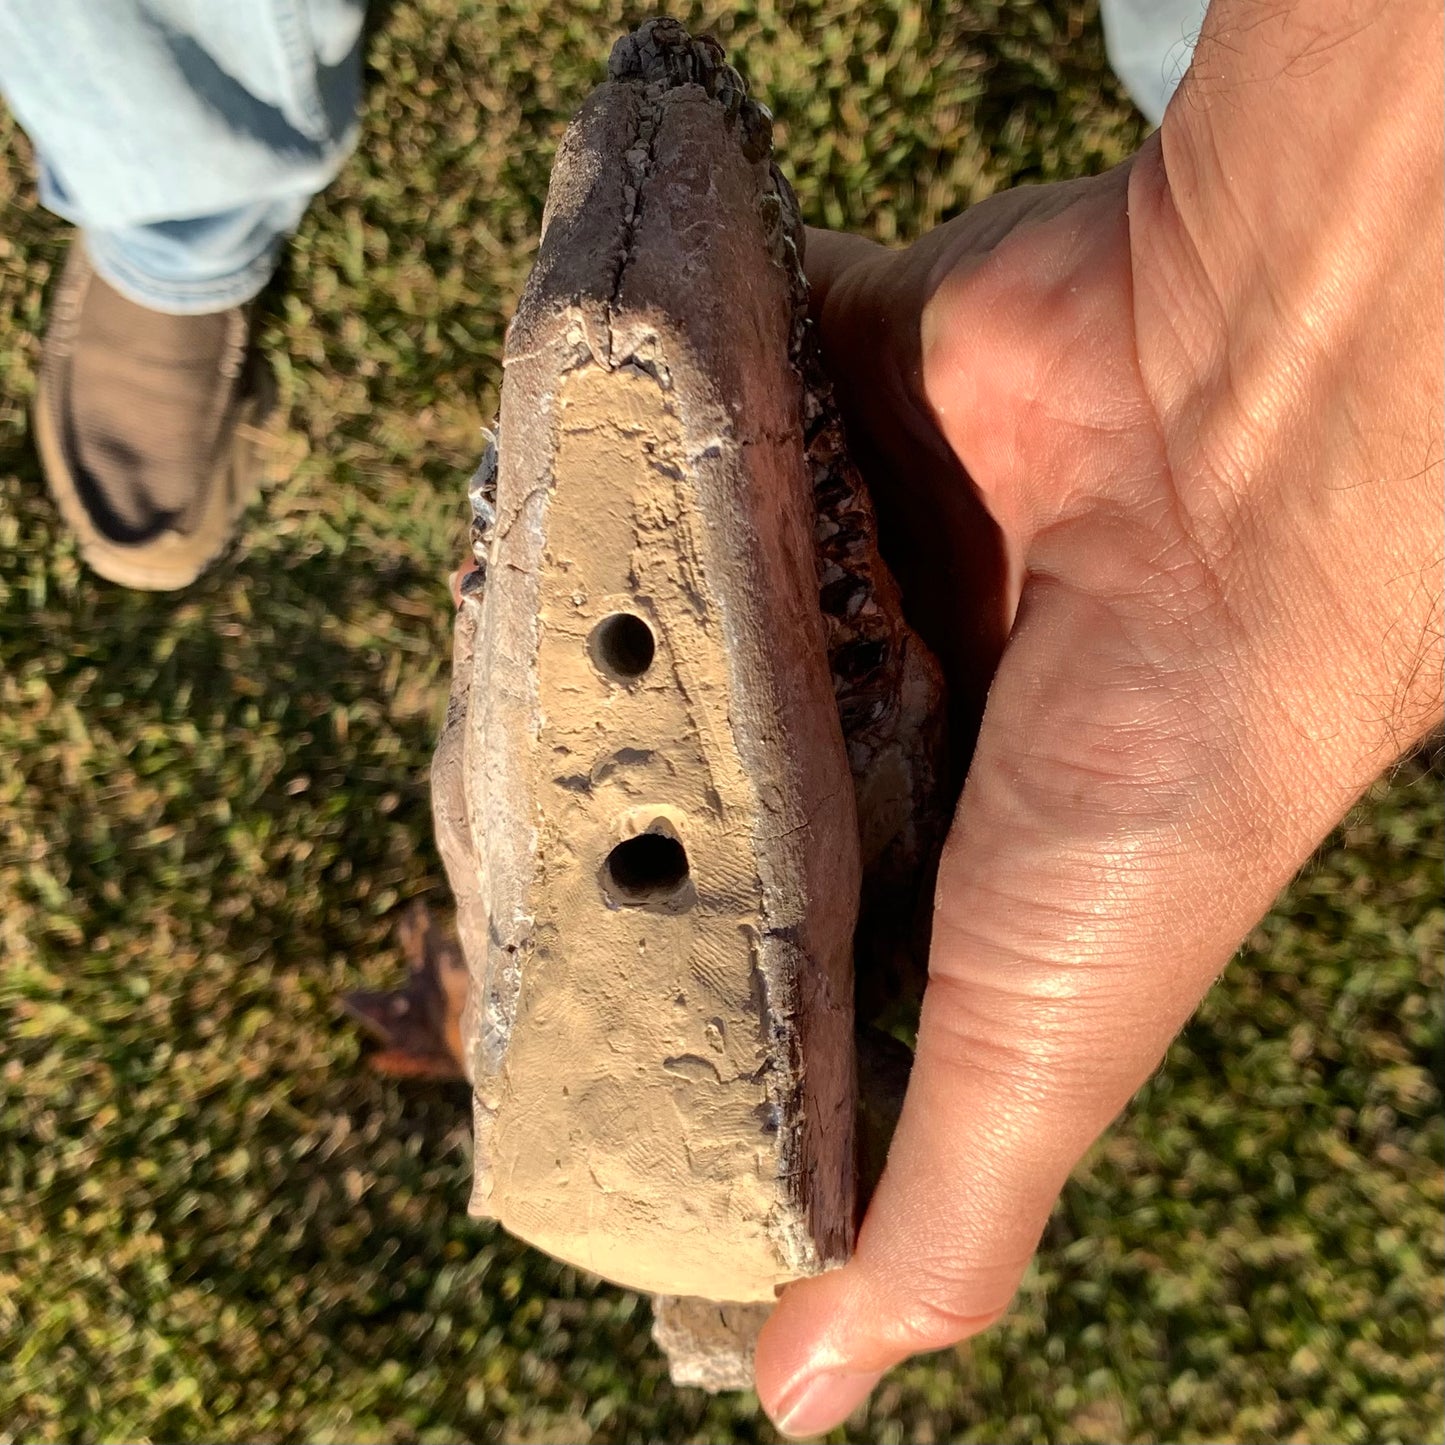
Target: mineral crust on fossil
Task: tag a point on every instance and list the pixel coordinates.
(693, 750)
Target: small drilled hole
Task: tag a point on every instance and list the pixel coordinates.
(623, 645)
(647, 868)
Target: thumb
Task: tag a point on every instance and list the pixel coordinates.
(1092, 888)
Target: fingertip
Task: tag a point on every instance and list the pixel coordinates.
(814, 1366)
(789, 1341)
(822, 1401)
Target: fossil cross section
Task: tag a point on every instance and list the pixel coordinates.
(643, 793)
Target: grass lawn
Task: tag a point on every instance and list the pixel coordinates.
(216, 1226)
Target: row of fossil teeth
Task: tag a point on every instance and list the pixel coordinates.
(862, 611)
(482, 496)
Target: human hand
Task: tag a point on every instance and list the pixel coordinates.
(1200, 397)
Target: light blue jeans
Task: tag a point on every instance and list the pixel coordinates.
(1150, 44)
(186, 137)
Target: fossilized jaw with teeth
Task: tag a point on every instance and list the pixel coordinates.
(732, 489)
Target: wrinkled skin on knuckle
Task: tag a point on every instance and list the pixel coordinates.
(1123, 741)
(930, 1319)
(941, 1280)
(1056, 1014)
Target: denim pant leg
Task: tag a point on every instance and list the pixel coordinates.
(1150, 45)
(184, 139)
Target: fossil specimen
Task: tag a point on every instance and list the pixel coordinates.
(694, 768)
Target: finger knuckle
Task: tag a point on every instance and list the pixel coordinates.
(944, 1297)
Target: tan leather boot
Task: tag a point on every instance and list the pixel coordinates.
(146, 425)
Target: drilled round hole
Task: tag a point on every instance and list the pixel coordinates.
(623, 645)
(647, 868)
